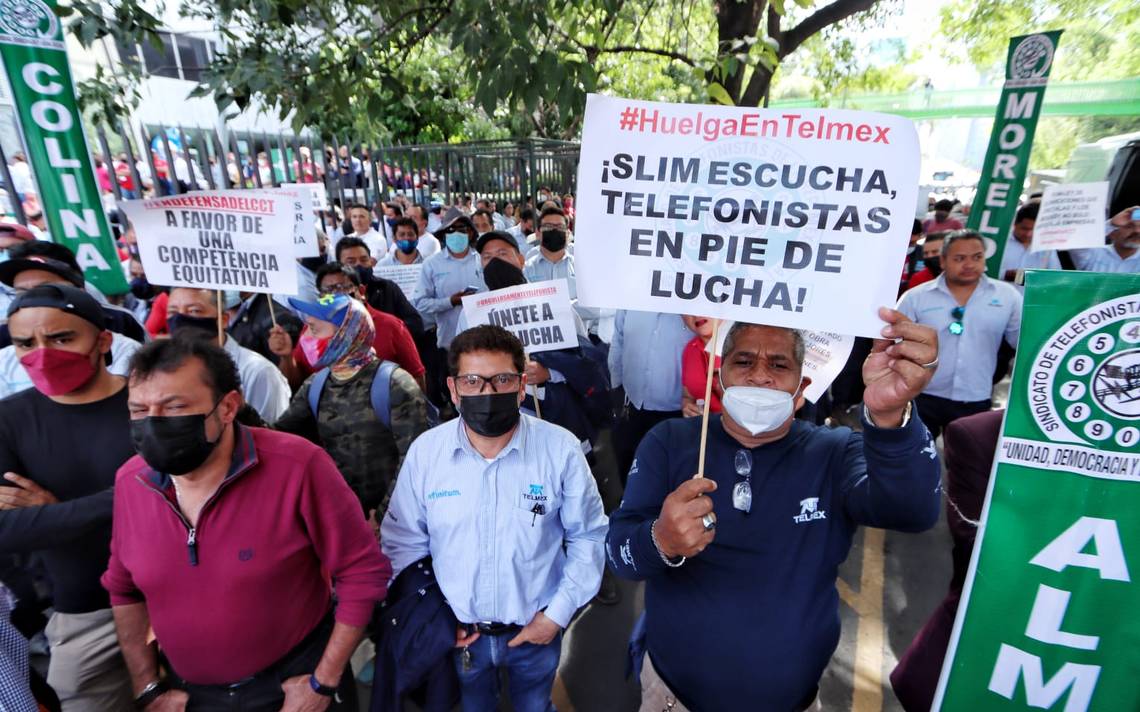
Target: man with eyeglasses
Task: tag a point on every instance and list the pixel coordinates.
(972, 314)
(741, 611)
(393, 340)
(505, 505)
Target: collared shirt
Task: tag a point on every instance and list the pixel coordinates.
(13, 377)
(428, 245)
(508, 537)
(268, 547)
(966, 361)
(540, 269)
(390, 260)
(1106, 259)
(262, 384)
(443, 275)
(1017, 256)
(377, 243)
(645, 358)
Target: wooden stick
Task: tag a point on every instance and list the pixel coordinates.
(272, 315)
(708, 401)
(221, 320)
(537, 405)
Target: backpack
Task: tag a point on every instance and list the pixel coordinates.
(379, 393)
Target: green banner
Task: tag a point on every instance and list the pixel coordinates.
(34, 54)
(1007, 158)
(1049, 615)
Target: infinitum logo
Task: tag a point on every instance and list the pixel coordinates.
(809, 511)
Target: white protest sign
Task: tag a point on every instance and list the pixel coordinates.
(317, 192)
(218, 239)
(538, 313)
(406, 277)
(304, 229)
(793, 218)
(825, 355)
(1071, 217)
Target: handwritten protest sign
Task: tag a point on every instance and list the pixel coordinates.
(825, 354)
(304, 229)
(222, 239)
(1072, 217)
(539, 314)
(317, 193)
(792, 218)
(406, 277)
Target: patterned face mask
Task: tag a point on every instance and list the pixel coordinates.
(350, 348)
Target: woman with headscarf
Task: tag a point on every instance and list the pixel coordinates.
(365, 426)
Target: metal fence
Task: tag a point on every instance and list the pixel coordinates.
(167, 160)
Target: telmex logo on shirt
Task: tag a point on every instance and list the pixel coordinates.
(809, 511)
(535, 493)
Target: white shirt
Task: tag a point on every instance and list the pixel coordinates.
(509, 536)
(13, 377)
(428, 245)
(263, 386)
(1017, 256)
(966, 361)
(1106, 259)
(377, 243)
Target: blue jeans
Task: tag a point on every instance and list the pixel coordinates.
(530, 674)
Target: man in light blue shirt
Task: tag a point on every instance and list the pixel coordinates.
(645, 359)
(507, 508)
(447, 276)
(554, 261)
(1017, 255)
(1122, 255)
(972, 314)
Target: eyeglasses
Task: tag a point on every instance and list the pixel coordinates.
(742, 491)
(956, 326)
(472, 383)
(337, 289)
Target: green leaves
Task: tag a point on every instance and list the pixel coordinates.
(720, 95)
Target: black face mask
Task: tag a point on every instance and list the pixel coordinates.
(313, 263)
(490, 414)
(934, 264)
(500, 275)
(364, 274)
(173, 444)
(193, 326)
(554, 240)
(141, 288)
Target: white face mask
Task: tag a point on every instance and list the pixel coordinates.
(758, 410)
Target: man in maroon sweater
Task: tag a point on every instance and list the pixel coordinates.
(228, 541)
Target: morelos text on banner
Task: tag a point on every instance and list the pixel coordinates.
(406, 277)
(1072, 217)
(539, 313)
(304, 228)
(793, 218)
(221, 239)
(825, 354)
(1047, 619)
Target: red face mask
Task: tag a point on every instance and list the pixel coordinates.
(313, 348)
(56, 372)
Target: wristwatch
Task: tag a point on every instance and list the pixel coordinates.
(150, 693)
(323, 690)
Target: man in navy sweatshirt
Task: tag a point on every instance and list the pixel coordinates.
(741, 610)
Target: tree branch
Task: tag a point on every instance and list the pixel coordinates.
(646, 50)
(836, 11)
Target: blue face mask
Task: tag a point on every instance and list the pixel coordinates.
(406, 246)
(457, 242)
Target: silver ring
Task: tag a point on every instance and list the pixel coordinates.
(930, 366)
(709, 521)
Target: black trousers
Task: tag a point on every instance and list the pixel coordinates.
(633, 426)
(262, 692)
(938, 412)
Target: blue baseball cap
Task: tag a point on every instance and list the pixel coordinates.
(328, 307)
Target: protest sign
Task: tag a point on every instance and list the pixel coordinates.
(1072, 217)
(825, 354)
(1028, 63)
(304, 228)
(220, 239)
(33, 52)
(317, 194)
(406, 277)
(787, 218)
(1049, 606)
(538, 313)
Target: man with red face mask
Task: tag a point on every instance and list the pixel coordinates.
(58, 498)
